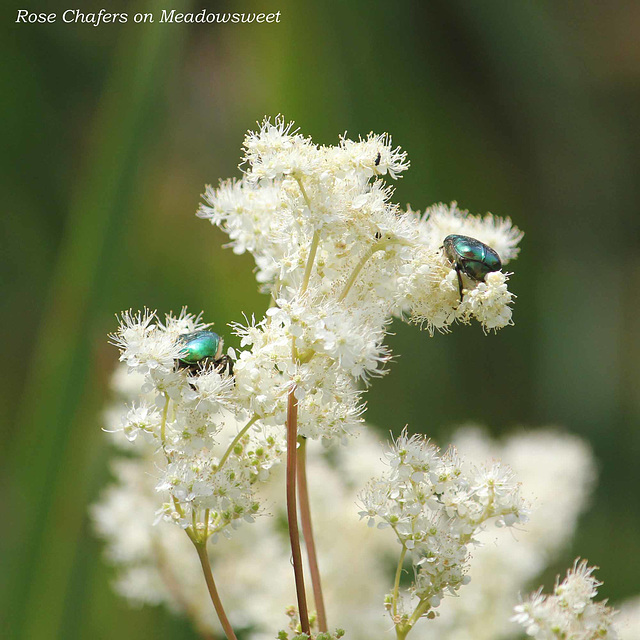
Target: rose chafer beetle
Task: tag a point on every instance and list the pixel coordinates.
(201, 348)
(471, 257)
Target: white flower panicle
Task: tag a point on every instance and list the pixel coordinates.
(179, 413)
(339, 260)
(557, 472)
(156, 564)
(436, 509)
(570, 612)
(319, 221)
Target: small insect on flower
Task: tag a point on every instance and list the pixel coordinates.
(201, 348)
(471, 257)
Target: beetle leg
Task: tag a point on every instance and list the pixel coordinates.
(459, 281)
(224, 364)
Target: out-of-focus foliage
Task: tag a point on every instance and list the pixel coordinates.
(110, 134)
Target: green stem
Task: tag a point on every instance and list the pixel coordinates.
(402, 631)
(206, 524)
(235, 441)
(396, 584)
(378, 246)
(313, 249)
(201, 548)
(422, 607)
(307, 532)
(163, 425)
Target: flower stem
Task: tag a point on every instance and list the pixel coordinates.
(313, 249)
(402, 631)
(378, 246)
(292, 515)
(163, 425)
(201, 548)
(396, 584)
(423, 605)
(235, 441)
(175, 589)
(314, 242)
(307, 532)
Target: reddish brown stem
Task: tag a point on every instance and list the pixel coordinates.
(292, 515)
(307, 532)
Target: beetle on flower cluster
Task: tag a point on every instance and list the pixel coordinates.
(338, 261)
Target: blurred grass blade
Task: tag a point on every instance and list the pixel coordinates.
(44, 529)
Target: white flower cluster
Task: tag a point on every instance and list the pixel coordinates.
(179, 412)
(339, 260)
(557, 473)
(436, 508)
(628, 619)
(156, 563)
(570, 613)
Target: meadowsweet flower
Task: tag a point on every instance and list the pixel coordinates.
(628, 619)
(181, 412)
(570, 612)
(155, 564)
(557, 473)
(435, 510)
(339, 260)
(319, 220)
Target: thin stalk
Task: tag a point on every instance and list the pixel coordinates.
(396, 584)
(292, 515)
(206, 524)
(307, 532)
(235, 441)
(419, 611)
(402, 631)
(313, 249)
(201, 548)
(373, 249)
(163, 425)
(173, 586)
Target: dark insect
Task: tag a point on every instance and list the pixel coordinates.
(378, 158)
(471, 257)
(202, 348)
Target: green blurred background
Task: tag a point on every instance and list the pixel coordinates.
(525, 109)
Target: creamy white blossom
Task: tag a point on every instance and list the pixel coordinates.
(339, 260)
(557, 472)
(156, 564)
(320, 219)
(570, 612)
(436, 509)
(180, 412)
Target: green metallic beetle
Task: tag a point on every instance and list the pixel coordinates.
(471, 257)
(201, 348)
